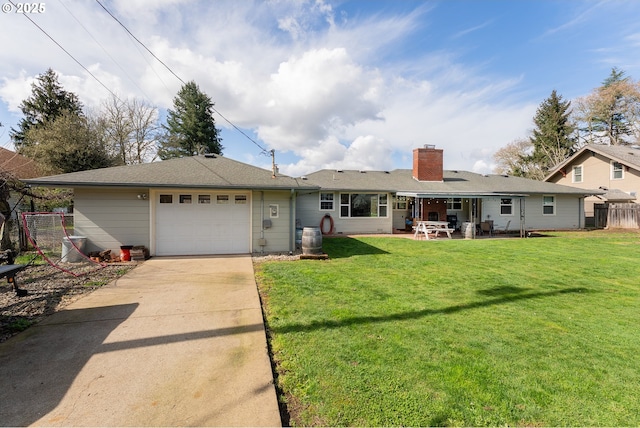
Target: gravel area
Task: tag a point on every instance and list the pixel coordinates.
(49, 291)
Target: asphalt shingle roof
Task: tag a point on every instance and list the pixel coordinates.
(626, 155)
(197, 171)
(462, 183)
(220, 172)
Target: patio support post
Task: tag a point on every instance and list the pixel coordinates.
(292, 222)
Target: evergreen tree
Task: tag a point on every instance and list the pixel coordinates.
(47, 102)
(191, 128)
(552, 138)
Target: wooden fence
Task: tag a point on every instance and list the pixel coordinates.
(625, 216)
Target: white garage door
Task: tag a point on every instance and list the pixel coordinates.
(191, 223)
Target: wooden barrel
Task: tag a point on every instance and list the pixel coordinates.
(311, 240)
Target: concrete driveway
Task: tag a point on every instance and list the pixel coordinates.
(175, 342)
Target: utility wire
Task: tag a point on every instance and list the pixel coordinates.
(104, 49)
(26, 15)
(137, 40)
(179, 78)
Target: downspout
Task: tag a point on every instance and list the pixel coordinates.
(292, 222)
(261, 221)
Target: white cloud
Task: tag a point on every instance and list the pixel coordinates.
(315, 95)
(13, 91)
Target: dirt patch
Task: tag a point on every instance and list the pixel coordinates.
(49, 290)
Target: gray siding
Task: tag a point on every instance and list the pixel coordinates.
(279, 237)
(569, 213)
(308, 214)
(111, 218)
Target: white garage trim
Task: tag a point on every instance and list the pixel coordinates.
(198, 222)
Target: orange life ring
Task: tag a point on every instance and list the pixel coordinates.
(330, 232)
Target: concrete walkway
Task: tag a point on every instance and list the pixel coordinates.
(175, 342)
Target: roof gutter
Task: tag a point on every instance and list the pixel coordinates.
(461, 195)
(68, 184)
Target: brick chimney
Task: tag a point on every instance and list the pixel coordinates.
(427, 163)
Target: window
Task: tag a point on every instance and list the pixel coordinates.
(222, 199)
(363, 205)
(506, 206)
(185, 199)
(241, 199)
(454, 204)
(548, 205)
(326, 201)
(400, 203)
(577, 174)
(166, 199)
(617, 173)
(204, 199)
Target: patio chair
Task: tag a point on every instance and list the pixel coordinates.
(504, 229)
(486, 227)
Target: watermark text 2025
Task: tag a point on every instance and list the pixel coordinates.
(23, 7)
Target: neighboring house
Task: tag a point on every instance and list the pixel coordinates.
(214, 205)
(17, 167)
(381, 201)
(613, 169)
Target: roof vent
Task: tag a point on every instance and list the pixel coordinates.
(362, 171)
(338, 170)
(210, 155)
(505, 175)
(304, 177)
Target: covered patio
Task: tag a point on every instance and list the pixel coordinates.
(472, 214)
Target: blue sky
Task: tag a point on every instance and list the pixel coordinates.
(332, 84)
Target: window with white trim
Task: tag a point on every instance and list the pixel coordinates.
(400, 202)
(577, 174)
(548, 205)
(617, 171)
(185, 199)
(506, 206)
(363, 205)
(454, 204)
(326, 201)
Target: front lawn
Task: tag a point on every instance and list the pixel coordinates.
(391, 331)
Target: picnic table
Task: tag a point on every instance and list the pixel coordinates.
(431, 229)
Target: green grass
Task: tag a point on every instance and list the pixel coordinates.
(391, 331)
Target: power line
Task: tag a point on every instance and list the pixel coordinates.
(137, 40)
(26, 15)
(104, 49)
(179, 78)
